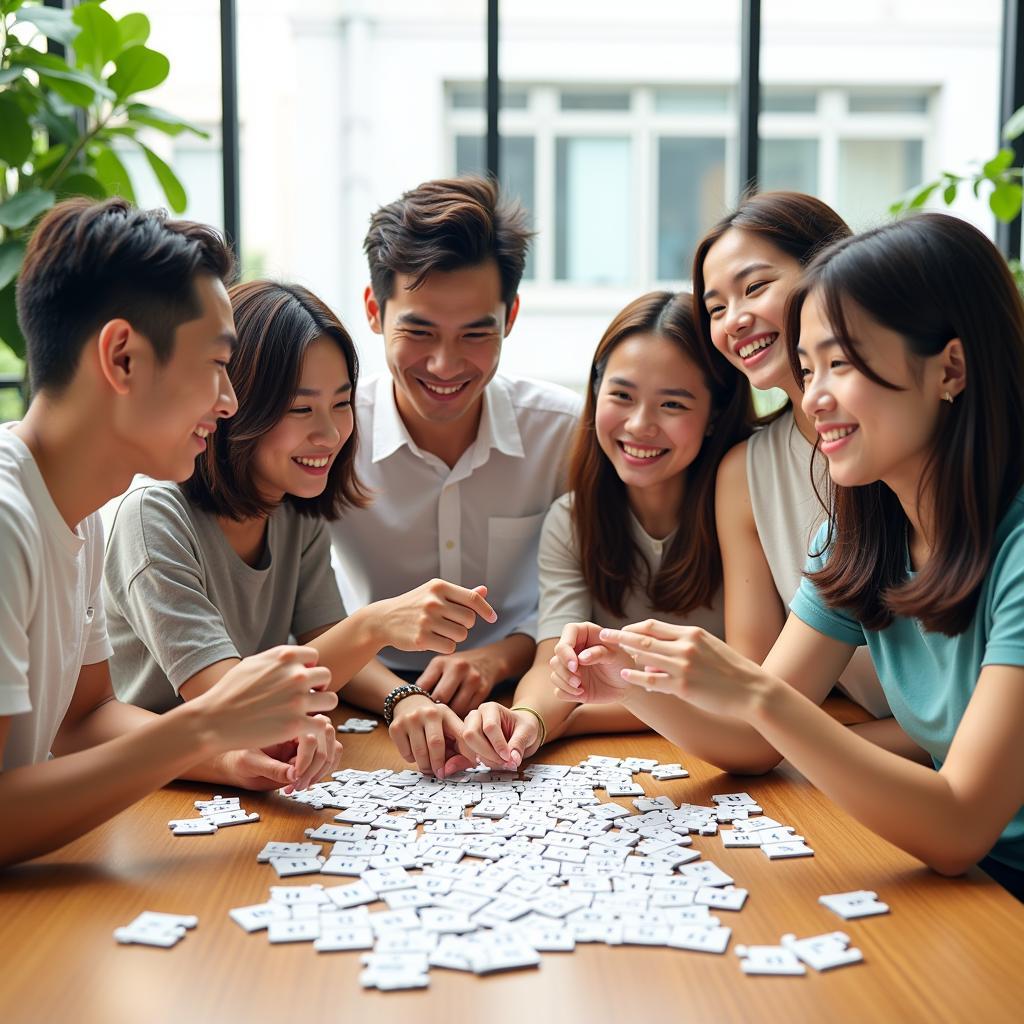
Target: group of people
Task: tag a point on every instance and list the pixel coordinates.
(653, 556)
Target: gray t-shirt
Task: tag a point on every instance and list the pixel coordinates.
(179, 598)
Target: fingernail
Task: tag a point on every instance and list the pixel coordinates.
(516, 757)
(573, 666)
(624, 672)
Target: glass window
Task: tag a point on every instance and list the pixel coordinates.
(471, 96)
(789, 164)
(709, 100)
(691, 196)
(592, 210)
(888, 103)
(785, 101)
(573, 99)
(871, 173)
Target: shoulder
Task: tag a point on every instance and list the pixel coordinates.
(732, 470)
(152, 504)
(559, 516)
(152, 524)
(1009, 540)
(533, 398)
(19, 524)
(366, 391)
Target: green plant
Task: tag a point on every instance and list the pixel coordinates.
(64, 122)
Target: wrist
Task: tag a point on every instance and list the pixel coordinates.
(765, 695)
(203, 727)
(369, 626)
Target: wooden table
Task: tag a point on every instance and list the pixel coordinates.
(951, 950)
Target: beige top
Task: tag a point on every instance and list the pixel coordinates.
(564, 596)
(787, 514)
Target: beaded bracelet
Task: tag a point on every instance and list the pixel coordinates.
(399, 693)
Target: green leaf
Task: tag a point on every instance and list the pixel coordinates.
(134, 29)
(9, 330)
(949, 193)
(169, 124)
(23, 208)
(15, 132)
(173, 188)
(922, 196)
(100, 39)
(8, 75)
(114, 175)
(11, 255)
(50, 157)
(138, 69)
(75, 86)
(994, 167)
(1014, 127)
(1005, 200)
(54, 23)
(81, 184)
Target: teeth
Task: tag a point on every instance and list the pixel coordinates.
(642, 453)
(756, 346)
(314, 463)
(835, 435)
(438, 390)
(201, 432)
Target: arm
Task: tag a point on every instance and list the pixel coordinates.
(754, 615)
(263, 700)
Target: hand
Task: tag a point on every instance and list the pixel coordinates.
(688, 663)
(267, 699)
(436, 616)
(499, 737)
(462, 681)
(586, 670)
(291, 765)
(428, 734)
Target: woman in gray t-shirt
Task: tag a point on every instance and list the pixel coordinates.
(237, 559)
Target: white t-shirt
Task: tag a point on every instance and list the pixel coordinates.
(51, 605)
(476, 522)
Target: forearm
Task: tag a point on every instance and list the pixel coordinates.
(512, 656)
(370, 685)
(728, 743)
(348, 645)
(910, 805)
(44, 806)
(887, 734)
(535, 690)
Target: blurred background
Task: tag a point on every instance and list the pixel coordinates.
(621, 129)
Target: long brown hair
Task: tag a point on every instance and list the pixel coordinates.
(929, 278)
(798, 224)
(276, 323)
(691, 572)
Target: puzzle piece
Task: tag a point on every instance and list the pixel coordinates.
(823, 952)
(851, 905)
(769, 960)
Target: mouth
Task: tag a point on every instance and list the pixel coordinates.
(752, 348)
(833, 438)
(639, 455)
(442, 392)
(317, 466)
(201, 433)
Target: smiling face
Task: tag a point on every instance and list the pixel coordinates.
(296, 455)
(175, 406)
(869, 432)
(442, 344)
(747, 282)
(652, 412)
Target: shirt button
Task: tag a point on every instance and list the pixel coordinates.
(449, 544)
(657, 546)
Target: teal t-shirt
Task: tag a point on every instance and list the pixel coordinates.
(928, 678)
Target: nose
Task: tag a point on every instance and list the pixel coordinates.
(817, 399)
(738, 320)
(326, 432)
(445, 360)
(227, 403)
(641, 422)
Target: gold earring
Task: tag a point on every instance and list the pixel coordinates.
(947, 397)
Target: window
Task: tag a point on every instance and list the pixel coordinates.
(623, 181)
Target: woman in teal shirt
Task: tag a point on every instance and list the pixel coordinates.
(909, 341)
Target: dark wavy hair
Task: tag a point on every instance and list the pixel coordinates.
(447, 225)
(929, 278)
(691, 573)
(276, 323)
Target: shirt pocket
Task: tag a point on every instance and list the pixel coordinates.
(512, 544)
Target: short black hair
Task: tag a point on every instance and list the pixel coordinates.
(91, 262)
(447, 225)
(276, 323)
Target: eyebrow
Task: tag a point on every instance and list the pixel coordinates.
(819, 345)
(228, 338)
(420, 321)
(745, 272)
(316, 391)
(676, 392)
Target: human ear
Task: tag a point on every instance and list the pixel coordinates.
(115, 349)
(374, 313)
(513, 312)
(954, 369)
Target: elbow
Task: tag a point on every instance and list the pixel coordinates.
(747, 766)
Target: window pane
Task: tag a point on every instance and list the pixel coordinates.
(591, 100)
(790, 164)
(517, 171)
(592, 210)
(888, 103)
(874, 173)
(691, 196)
(782, 101)
(693, 101)
(472, 97)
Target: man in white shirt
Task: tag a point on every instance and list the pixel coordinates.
(129, 331)
(463, 464)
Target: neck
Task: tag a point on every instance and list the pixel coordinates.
(246, 537)
(803, 422)
(920, 512)
(657, 507)
(81, 459)
(448, 441)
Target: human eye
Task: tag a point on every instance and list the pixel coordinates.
(300, 409)
(715, 310)
(345, 403)
(675, 406)
(756, 286)
(805, 372)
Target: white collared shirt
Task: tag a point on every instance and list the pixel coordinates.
(478, 522)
